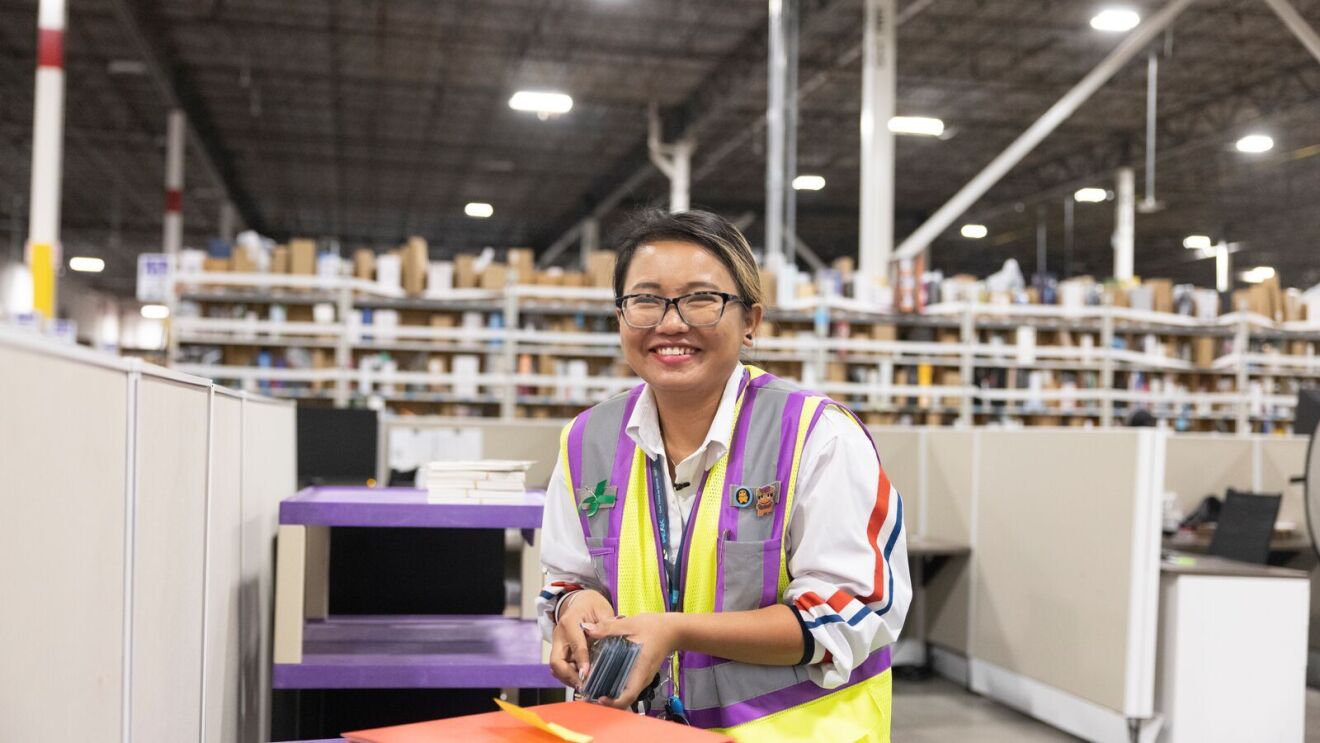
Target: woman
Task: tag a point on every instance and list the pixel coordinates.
(742, 531)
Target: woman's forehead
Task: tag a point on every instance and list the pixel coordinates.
(677, 265)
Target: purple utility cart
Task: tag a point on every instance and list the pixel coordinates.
(316, 651)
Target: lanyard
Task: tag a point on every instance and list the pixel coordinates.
(673, 562)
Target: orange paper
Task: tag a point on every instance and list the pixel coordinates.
(603, 724)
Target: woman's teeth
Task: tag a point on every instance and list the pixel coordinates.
(674, 351)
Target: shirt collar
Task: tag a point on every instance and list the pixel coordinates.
(644, 423)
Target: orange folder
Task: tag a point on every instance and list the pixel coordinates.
(603, 724)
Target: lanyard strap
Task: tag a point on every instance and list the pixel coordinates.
(673, 558)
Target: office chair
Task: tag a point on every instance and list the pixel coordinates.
(1246, 523)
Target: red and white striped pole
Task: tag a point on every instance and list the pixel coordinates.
(43, 245)
(174, 184)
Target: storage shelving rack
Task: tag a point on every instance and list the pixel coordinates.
(546, 352)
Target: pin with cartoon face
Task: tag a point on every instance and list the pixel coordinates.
(741, 496)
(766, 498)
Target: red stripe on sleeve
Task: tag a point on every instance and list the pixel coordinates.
(839, 601)
(808, 601)
(828, 657)
(878, 516)
(567, 586)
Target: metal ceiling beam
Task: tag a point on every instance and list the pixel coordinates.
(149, 35)
(944, 217)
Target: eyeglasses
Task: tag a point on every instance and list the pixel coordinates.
(699, 309)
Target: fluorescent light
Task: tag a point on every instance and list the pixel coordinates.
(921, 126)
(1116, 20)
(809, 183)
(1091, 195)
(974, 231)
(87, 265)
(1258, 274)
(1197, 242)
(541, 102)
(1255, 143)
(479, 210)
(155, 311)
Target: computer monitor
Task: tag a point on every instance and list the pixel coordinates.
(336, 446)
(1307, 413)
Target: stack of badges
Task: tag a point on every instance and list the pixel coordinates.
(612, 660)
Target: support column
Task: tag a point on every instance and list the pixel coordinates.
(43, 244)
(781, 130)
(673, 160)
(174, 138)
(1223, 268)
(590, 242)
(879, 76)
(1069, 204)
(228, 220)
(1125, 223)
(1297, 24)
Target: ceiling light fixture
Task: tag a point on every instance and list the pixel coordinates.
(974, 231)
(809, 183)
(1255, 143)
(1197, 242)
(1115, 20)
(1258, 274)
(541, 102)
(1091, 195)
(155, 311)
(84, 264)
(479, 210)
(919, 126)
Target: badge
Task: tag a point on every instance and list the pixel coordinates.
(592, 501)
(741, 497)
(766, 498)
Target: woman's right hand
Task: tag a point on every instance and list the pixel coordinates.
(569, 657)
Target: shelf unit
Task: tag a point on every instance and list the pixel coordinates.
(546, 352)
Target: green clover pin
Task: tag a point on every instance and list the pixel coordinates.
(592, 502)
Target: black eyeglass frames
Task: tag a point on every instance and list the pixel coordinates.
(698, 309)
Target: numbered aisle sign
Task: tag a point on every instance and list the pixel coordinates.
(153, 277)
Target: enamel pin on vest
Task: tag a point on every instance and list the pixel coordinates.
(765, 497)
(603, 496)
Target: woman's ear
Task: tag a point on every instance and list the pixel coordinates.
(753, 316)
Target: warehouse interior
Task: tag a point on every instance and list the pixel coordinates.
(274, 261)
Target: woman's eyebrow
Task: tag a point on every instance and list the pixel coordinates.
(690, 285)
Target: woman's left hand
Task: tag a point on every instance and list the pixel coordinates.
(658, 637)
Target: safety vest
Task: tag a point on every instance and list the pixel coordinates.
(734, 560)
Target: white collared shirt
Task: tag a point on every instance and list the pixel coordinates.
(845, 533)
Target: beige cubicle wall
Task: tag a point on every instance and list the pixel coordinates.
(1208, 464)
(62, 540)
(950, 465)
(126, 485)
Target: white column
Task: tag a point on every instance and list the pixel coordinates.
(1223, 268)
(173, 238)
(681, 177)
(228, 218)
(1125, 223)
(776, 155)
(43, 244)
(879, 75)
(590, 242)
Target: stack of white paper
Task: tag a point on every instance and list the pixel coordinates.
(475, 481)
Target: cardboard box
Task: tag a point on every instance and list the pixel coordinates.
(1161, 294)
(364, 264)
(416, 262)
(302, 256)
(523, 264)
(1293, 308)
(574, 278)
(549, 278)
(215, 265)
(243, 261)
(769, 287)
(279, 259)
(444, 320)
(600, 268)
(495, 277)
(836, 371)
(884, 333)
(845, 266)
(465, 272)
(1203, 351)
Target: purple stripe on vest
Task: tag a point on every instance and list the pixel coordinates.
(733, 477)
(783, 469)
(575, 436)
(688, 660)
(792, 696)
(623, 457)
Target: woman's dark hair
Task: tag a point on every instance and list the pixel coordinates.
(710, 231)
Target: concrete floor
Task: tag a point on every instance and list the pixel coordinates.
(937, 711)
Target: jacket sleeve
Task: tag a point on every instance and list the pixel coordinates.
(564, 556)
(847, 550)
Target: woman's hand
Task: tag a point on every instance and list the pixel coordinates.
(569, 658)
(658, 636)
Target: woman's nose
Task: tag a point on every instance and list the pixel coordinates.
(671, 321)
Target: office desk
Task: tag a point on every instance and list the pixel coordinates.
(1231, 660)
(1282, 547)
(316, 651)
(926, 557)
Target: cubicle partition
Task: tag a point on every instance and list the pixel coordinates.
(126, 487)
(1207, 464)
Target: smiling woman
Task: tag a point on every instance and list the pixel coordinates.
(739, 529)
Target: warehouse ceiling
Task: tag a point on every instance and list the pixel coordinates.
(368, 120)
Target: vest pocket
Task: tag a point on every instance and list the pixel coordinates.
(601, 549)
(743, 566)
